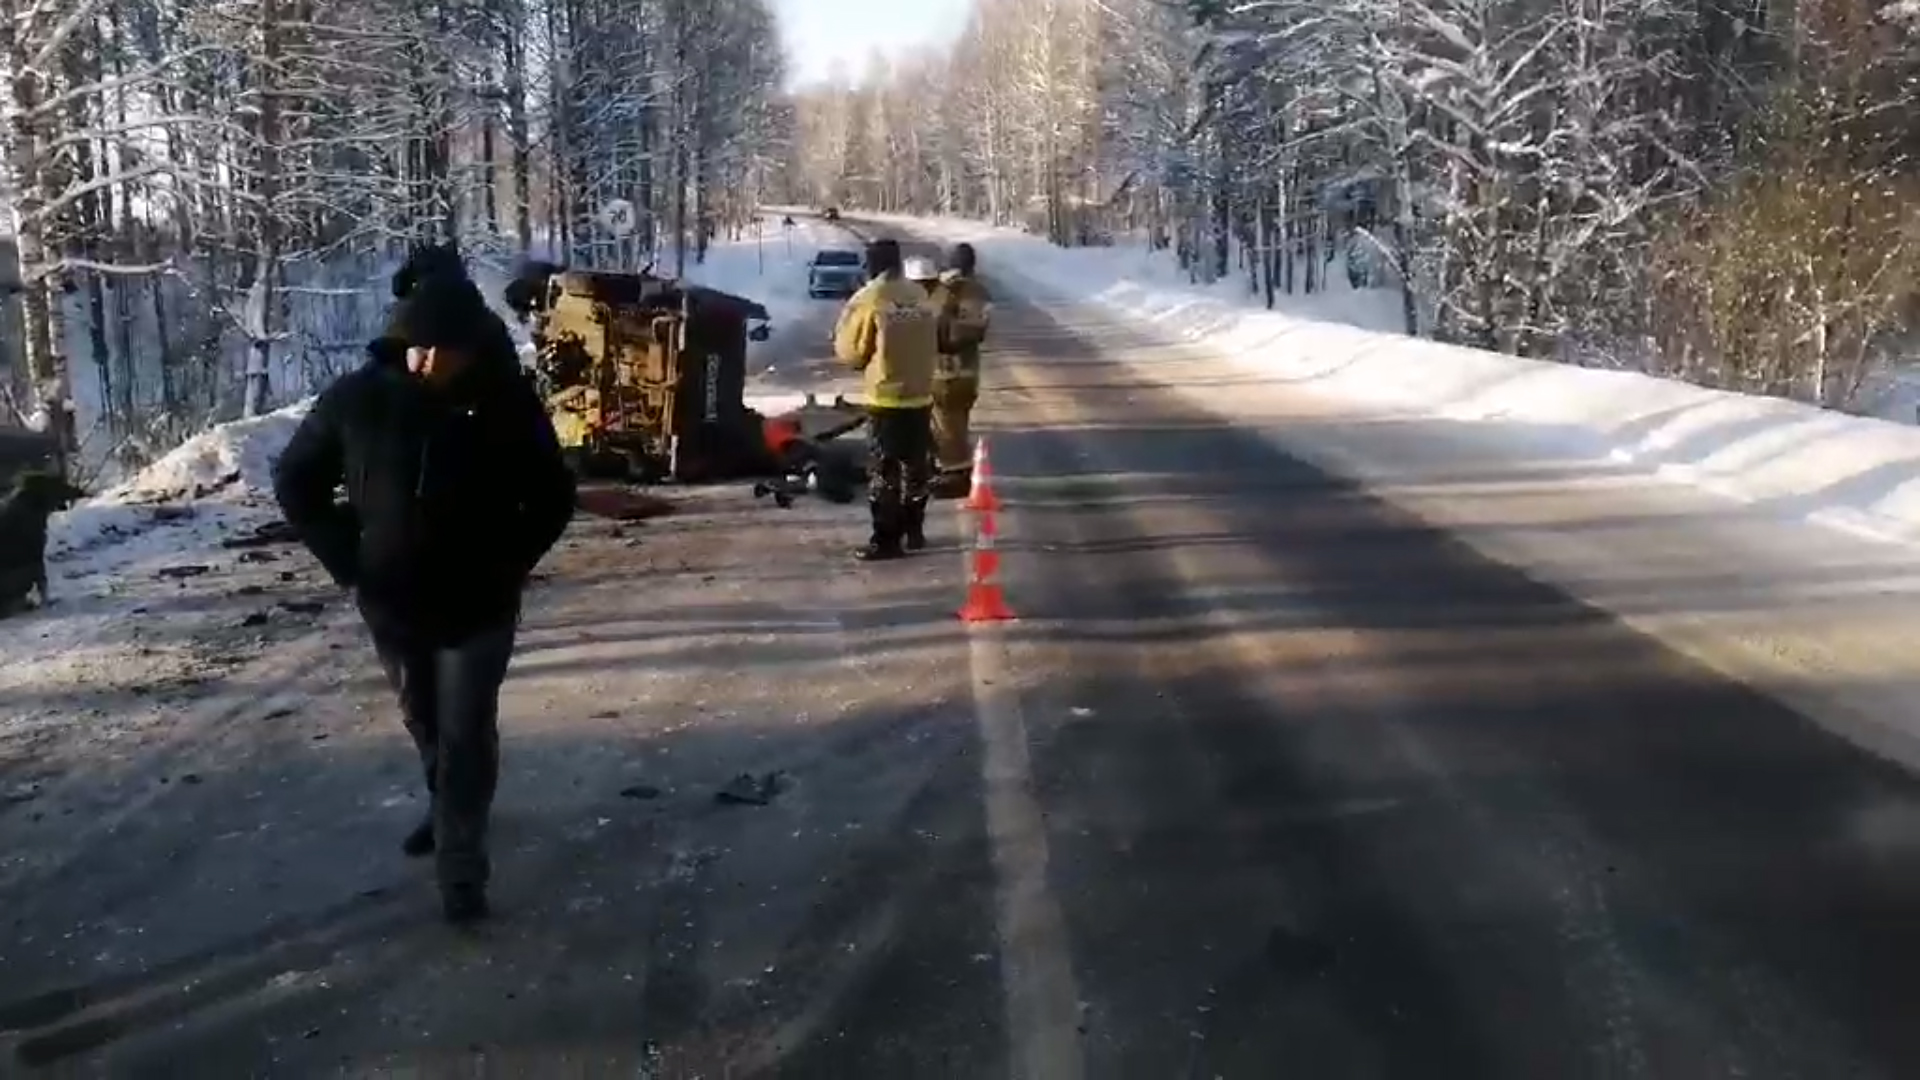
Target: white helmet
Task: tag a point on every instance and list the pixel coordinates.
(919, 268)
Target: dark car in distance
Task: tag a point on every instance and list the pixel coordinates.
(835, 272)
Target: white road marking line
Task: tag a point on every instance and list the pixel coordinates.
(1036, 970)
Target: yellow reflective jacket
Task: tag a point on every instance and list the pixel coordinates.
(889, 331)
(965, 312)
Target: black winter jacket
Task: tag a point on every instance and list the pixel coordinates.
(452, 495)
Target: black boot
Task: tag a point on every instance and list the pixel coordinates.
(419, 842)
(884, 542)
(463, 904)
(916, 528)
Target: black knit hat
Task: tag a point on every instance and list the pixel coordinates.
(962, 258)
(440, 312)
(883, 257)
(436, 261)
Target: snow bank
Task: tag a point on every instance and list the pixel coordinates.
(239, 454)
(1855, 473)
(216, 485)
(1078, 274)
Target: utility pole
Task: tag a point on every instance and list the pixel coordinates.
(679, 16)
(261, 299)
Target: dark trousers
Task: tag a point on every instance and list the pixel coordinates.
(900, 442)
(450, 699)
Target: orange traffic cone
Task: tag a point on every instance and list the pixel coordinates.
(985, 602)
(981, 496)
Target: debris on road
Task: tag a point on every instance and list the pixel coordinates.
(620, 503)
(782, 490)
(750, 790)
(802, 441)
(269, 534)
(640, 791)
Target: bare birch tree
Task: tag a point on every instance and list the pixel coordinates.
(207, 196)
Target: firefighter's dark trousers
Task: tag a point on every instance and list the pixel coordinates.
(899, 442)
(450, 699)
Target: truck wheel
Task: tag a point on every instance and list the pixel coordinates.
(603, 465)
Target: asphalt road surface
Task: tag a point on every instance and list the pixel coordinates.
(1269, 779)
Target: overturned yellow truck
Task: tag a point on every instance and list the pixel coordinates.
(645, 377)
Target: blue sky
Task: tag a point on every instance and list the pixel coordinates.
(818, 32)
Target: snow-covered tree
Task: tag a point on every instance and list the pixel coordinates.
(207, 195)
(1557, 178)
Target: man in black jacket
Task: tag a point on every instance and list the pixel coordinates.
(455, 490)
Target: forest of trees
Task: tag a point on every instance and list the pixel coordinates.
(1722, 190)
(208, 195)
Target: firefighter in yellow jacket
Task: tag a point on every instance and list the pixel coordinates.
(965, 306)
(889, 332)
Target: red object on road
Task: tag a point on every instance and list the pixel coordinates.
(781, 432)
